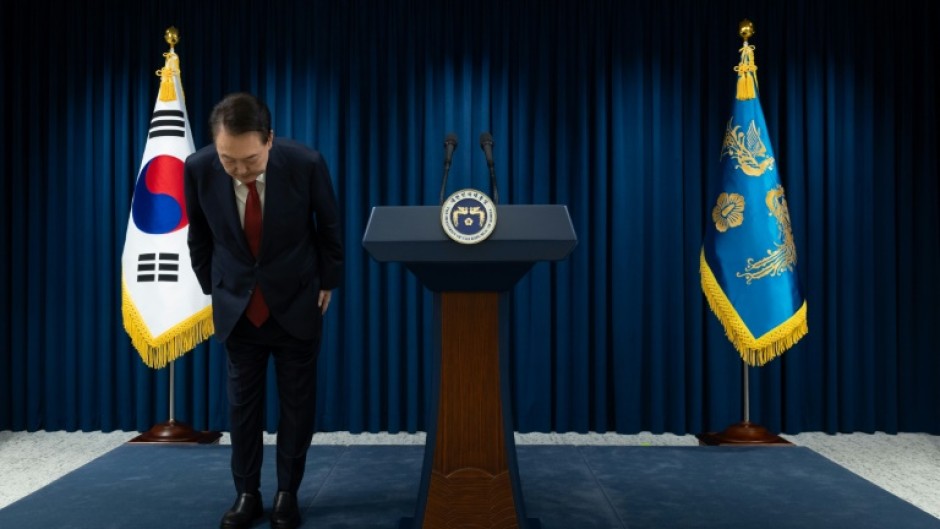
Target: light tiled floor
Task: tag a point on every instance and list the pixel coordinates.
(907, 465)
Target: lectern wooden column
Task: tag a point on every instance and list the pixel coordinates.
(470, 477)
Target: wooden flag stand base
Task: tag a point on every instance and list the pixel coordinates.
(176, 432)
(742, 434)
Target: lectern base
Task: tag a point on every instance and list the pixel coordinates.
(409, 523)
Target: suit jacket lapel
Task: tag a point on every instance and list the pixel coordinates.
(274, 187)
(225, 198)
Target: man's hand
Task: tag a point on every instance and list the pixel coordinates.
(324, 301)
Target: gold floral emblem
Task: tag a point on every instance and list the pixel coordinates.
(748, 150)
(728, 211)
(783, 257)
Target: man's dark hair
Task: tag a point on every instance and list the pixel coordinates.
(239, 113)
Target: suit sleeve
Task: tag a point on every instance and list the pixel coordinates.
(329, 236)
(200, 235)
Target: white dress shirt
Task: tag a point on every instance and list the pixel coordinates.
(241, 197)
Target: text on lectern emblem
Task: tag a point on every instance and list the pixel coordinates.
(468, 216)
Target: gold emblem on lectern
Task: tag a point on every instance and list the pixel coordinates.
(468, 216)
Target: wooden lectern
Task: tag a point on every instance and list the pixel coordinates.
(470, 477)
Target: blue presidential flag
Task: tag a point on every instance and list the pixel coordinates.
(165, 312)
(748, 260)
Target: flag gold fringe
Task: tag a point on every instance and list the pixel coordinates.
(170, 68)
(747, 74)
(754, 351)
(174, 343)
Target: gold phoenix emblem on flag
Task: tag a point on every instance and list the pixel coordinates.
(783, 258)
(748, 150)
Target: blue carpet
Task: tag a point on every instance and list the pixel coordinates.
(565, 487)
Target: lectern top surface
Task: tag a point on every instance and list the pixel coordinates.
(524, 233)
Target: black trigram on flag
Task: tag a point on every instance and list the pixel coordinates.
(158, 267)
(167, 123)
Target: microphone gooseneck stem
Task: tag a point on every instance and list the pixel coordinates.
(444, 181)
(486, 143)
(450, 145)
(493, 184)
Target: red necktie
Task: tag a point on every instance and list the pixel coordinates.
(257, 310)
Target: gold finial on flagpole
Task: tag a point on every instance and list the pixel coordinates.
(171, 66)
(745, 29)
(172, 36)
(747, 70)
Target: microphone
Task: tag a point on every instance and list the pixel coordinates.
(486, 143)
(450, 145)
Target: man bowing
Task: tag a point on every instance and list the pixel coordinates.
(265, 242)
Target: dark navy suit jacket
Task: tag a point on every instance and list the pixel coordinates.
(301, 244)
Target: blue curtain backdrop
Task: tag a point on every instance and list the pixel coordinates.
(616, 109)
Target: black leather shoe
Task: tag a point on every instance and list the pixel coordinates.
(246, 509)
(285, 515)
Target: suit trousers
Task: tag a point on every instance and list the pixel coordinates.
(295, 363)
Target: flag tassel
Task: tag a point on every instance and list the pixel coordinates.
(754, 351)
(747, 74)
(157, 352)
(170, 69)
